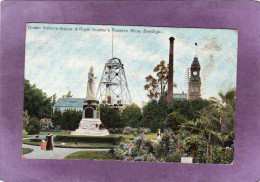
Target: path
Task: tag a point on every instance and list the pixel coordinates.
(56, 153)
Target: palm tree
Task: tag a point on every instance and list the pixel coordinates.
(226, 99)
(227, 107)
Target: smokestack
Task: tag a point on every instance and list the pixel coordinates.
(170, 74)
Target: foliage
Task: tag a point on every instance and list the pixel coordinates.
(153, 115)
(115, 130)
(70, 119)
(131, 115)
(26, 150)
(156, 86)
(144, 130)
(90, 155)
(87, 139)
(36, 101)
(141, 149)
(33, 127)
(69, 94)
(54, 99)
(26, 119)
(46, 124)
(129, 130)
(174, 120)
(110, 117)
(188, 108)
(165, 148)
(56, 118)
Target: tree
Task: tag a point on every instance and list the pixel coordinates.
(188, 108)
(26, 119)
(156, 86)
(229, 98)
(56, 118)
(227, 107)
(110, 117)
(69, 94)
(174, 121)
(54, 99)
(152, 116)
(36, 101)
(33, 127)
(131, 115)
(70, 119)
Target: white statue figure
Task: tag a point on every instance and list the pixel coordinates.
(158, 135)
(91, 85)
(90, 123)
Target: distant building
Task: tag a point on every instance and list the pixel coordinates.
(182, 96)
(69, 103)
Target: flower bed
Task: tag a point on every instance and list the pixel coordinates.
(140, 149)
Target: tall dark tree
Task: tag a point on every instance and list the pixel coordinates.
(36, 101)
(56, 118)
(70, 119)
(54, 99)
(33, 127)
(131, 115)
(110, 117)
(152, 116)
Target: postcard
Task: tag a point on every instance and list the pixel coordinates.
(129, 93)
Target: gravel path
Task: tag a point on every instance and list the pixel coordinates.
(56, 153)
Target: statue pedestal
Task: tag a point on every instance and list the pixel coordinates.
(91, 126)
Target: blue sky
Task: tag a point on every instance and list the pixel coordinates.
(58, 60)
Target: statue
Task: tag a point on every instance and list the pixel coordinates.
(91, 85)
(90, 123)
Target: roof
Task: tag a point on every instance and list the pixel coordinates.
(69, 102)
(180, 96)
(195, 64)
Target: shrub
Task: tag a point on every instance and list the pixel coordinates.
(115, 130)
(35, 140)
(88, 139)
(70, 120)
(129, 130)
(46, 124)
(174, 120)
(131, 115)
(32, 130)
(175, 157)
(144, 130)
(110, 117)
(141, 149)
(33, 127)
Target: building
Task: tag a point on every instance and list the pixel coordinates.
(194, 80)
(182, 96)
(69, 103)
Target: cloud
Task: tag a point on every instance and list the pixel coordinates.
(213, 45)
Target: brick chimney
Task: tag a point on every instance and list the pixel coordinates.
(171, 71)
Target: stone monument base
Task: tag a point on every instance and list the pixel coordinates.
(89, 126)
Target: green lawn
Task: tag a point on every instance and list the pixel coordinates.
(72, 145)
(26, 150)
(90, 155)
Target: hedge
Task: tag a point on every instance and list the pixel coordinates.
(88, 139)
